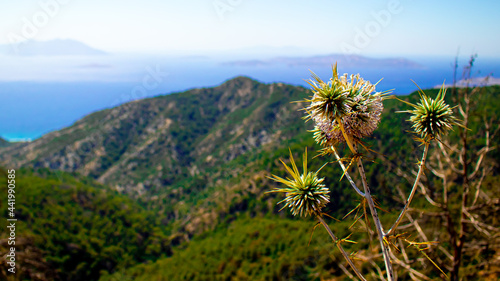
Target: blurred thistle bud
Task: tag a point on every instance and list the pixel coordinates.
(347, 101)
(305, 194)
(432, 118)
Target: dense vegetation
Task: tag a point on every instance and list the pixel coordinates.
(196, 165)
(74, 229)
(248, 249)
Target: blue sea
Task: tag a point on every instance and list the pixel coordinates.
(42, 94)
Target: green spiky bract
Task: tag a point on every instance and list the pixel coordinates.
(345, 101)
(330, 99)
(432, 118)
(305, 194)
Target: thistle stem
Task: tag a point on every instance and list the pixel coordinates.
(346, 173)
(371, 204)
(412, 193)
(344, 253)
(378, 225)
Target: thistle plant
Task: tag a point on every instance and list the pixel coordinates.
(347, 109)
(305, 194)
(432, 118)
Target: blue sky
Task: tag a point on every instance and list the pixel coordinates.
(46, 93)
(396, 27)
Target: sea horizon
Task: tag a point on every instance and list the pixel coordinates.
(74, 87)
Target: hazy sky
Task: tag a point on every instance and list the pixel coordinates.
(324, 26)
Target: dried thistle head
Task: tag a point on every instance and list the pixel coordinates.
(348, 101)
(432, 118)
(305, 194)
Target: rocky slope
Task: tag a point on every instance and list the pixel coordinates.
(155, 142)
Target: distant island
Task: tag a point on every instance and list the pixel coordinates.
(56, 47)
(328, 60)
(476, 81)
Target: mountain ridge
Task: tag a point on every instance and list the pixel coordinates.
(4, 143)
(105, 143)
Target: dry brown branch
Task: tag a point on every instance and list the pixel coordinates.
(407, 267)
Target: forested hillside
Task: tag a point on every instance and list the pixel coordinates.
(71, 228)
(174, 188)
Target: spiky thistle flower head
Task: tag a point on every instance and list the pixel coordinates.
(305, 193)
(347, 101)
(330, 100)
(432, 118)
